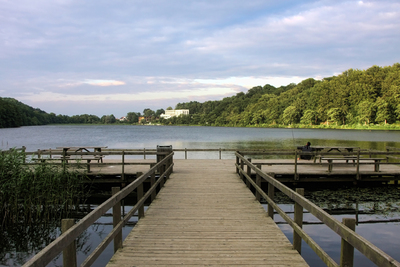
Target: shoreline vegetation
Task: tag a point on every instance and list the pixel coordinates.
(388, 127)
(356, 99)
(36, 194)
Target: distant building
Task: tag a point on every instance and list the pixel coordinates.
(174, 112)
(147, 119)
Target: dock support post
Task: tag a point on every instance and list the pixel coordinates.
(298, 219)
(271, 192)
(347, 250)
(69, 253)
(248, 173)
(116, 220)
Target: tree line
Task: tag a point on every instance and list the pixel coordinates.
(355, 97)
(15, 114)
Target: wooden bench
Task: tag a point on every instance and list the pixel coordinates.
(347, 158)
(330, 161)
(88, 160)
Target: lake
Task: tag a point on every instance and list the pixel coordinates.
(131, 136)
(385, 233)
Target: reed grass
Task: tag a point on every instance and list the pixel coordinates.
(36, 194)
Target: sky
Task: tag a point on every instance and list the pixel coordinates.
(102, 57)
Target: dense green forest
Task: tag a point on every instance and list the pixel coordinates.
(15, 114)
(355, 97)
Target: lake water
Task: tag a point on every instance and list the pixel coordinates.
(386, 235)
(129, 136)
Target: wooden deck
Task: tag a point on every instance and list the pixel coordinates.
(205, 216)
(281, 169)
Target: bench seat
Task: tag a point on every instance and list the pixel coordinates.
(347, 158)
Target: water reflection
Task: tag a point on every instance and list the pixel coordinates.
(19, 242)
(377, 211)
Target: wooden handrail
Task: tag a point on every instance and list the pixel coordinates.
(53, 249)
(372, 252)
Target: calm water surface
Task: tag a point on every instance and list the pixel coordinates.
(385, 235)
(128, 136)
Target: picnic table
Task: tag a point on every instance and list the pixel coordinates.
(82, 148)
(88, 158)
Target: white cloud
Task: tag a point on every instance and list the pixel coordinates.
(141, 96)
(104, 82)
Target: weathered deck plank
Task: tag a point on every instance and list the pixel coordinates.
(205, 216)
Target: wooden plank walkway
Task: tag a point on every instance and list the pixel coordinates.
(205, 216)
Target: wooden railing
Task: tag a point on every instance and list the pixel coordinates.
(66, 241)
(88, 159)
(350, 239)
(356, 158)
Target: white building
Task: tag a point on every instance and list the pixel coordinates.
(174, 112)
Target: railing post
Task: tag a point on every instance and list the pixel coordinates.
(242, 168)
(123, 166)
(258, 182)
(116, 220)
(152, 182)
(64, 159)
(219, 153)
(347, 250)
(139, 197)
(358, 165)
(271, 192)
(296, 177)
(248, 173)
(237, 164)
(185, 153)
(161, 170)
(69, 253)
(171, 162)
(298, 219)
(144, 153)
(23, 151)
(387, 156)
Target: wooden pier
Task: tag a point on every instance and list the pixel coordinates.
(203, 213)
(206, 216)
